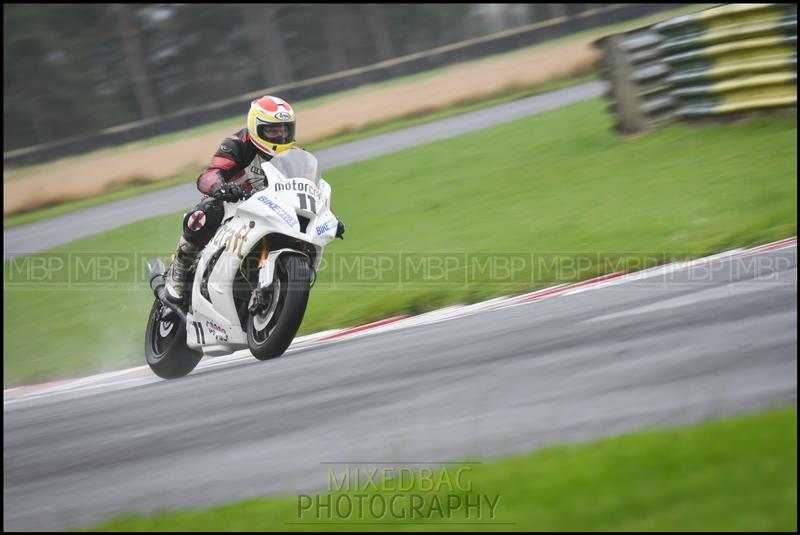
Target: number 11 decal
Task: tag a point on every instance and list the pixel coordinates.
(198, 331)
(304, 204)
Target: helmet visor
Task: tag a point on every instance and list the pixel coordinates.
(277, 133)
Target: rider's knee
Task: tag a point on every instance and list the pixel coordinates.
(200, 224)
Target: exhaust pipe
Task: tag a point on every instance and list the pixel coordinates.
(156, 269)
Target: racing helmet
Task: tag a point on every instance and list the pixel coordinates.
(270, 124)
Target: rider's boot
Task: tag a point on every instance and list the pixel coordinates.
(178, 273)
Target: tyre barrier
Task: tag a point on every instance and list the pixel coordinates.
(722, 61)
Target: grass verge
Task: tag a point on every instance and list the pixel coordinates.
(424, 116)
(558, 183)
(737, 474)
(420, 117)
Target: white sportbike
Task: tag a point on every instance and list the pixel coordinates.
(251, 282)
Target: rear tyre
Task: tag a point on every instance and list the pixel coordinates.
(272, 329)
(165, 344)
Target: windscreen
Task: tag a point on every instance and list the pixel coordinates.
(297, 163)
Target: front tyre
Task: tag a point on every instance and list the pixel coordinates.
(271, 329)
(165, 344)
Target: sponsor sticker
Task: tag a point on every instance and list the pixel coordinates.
(283, 116)
(219, 333)
(275, 207)
(326, 226)
(232, 240)
(300, 187)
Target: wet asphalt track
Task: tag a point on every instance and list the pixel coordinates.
(42, 235)
(650, 353)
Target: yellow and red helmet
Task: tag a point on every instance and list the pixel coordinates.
(270, 124)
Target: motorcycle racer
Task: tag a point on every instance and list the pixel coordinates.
(235, 166)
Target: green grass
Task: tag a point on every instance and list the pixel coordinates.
(237, 121)
(559, 182)
(737, 474)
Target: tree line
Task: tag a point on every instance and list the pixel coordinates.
(70, 69)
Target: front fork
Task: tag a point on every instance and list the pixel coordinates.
(261, 297)
(259, 300)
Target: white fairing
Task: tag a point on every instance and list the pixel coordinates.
(295, 190)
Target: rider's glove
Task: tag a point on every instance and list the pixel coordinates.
(340, 229)
(228, 192)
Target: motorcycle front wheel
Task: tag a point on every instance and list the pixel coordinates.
(165, 344)
(272, 329)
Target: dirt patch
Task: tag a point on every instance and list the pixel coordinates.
(92, 176)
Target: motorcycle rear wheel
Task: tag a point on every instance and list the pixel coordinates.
(165, 344)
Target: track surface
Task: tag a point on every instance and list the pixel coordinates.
(42, 235)
(657, 352)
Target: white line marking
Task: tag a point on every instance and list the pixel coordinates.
(717, 292)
